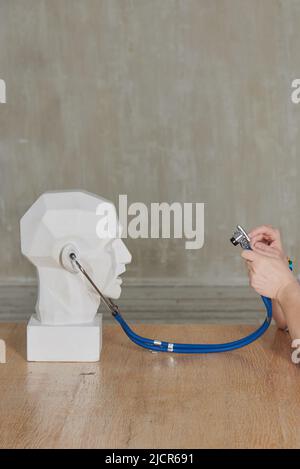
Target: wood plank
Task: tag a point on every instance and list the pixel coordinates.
(248, 398)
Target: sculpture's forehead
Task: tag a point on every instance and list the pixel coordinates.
(78, 200)
(60, 214)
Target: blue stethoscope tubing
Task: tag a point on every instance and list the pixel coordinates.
(163, 346)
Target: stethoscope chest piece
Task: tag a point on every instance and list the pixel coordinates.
(240, 237)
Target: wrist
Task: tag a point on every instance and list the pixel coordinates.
(290, 304)
(287, 290)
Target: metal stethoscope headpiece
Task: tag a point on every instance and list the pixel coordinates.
(111, 306)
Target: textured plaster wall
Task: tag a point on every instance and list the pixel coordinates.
(163, 100)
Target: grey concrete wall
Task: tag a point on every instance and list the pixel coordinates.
(163, 100)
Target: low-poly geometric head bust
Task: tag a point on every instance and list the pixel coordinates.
(56, 224)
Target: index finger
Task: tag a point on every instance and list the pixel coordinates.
(267, 230)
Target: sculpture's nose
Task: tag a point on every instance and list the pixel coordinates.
(123, 256)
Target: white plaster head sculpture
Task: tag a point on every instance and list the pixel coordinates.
(57, 224)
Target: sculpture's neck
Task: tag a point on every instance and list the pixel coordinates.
(65, 298)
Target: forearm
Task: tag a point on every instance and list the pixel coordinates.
(278, 315)
(289, 301)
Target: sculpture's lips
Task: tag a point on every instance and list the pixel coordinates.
(120, 269)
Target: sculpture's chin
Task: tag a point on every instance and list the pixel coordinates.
(113, 291)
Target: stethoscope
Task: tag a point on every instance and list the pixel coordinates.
(240, 237)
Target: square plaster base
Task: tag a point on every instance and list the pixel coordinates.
(67, 343)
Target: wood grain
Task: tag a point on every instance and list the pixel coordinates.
(132, 398)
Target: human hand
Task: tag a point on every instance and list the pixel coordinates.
(268, 270)
(267, 236)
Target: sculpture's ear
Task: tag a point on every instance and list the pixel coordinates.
(66, 254)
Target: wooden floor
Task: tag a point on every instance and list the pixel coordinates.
(248, 398)
(156, 304)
